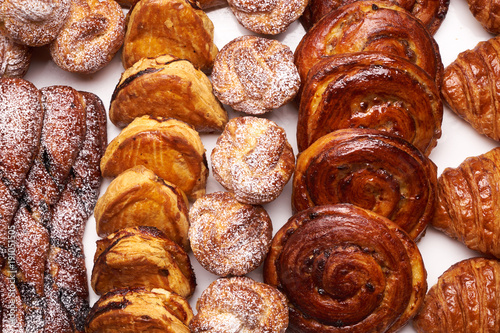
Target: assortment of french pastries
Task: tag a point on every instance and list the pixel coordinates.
(368, 90)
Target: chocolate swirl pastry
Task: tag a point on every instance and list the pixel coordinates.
(370, 90)
(485, 13)
(467, 206)
(371, 169)
(370, 26)
(469, 87)
(464, 299)
(346, 269)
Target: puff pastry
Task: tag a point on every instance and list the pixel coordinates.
(15, 58)
(139, 197)
(464, 299)
(175, 27)
(344, 268)
(371, 169)
(240, 304)
(167, 87)
(370, 90)
(469, 87)
(485, 13)
(228, 237)
(170, 148)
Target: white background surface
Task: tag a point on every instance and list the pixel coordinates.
(459, 31)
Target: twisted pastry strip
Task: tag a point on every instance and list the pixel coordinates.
(371, 169)
(370, 90)
(470, 87)
(346, 269)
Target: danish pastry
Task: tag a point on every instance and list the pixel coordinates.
(141, 257)
(15, 58)
(139, 197)
(469, 87)
(167, 87)
(344, 268)
(467, 208)
(370, 90)
(90, 38)
(485, 14)
(255, 75)
(175, 27)
(240, 304)
(370, 26)
(464, 299)
(169, 147)
(140, 310)
(371, 169)
(228, 237)
(253, 159)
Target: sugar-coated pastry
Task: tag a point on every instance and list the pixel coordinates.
(346, 269)
(240, 304)
(253, 159)
(15, 58)
(227, 237)
(255, 75)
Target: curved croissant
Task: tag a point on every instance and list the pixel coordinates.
(467, 206)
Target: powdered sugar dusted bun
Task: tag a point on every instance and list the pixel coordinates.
(240, 304)
(14, 58)
(228, 237)
(269, 17)
(92, 35)
(255, 75)
(33, 22)
(253, 159)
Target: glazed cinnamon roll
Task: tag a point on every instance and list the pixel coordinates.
(371, 169)
(370, 90)
(344, 268)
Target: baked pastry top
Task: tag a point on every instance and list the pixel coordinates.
(15, 58)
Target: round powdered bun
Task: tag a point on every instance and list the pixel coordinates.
(255, 75)
(253, 159)
(240, 304)
(228, 237)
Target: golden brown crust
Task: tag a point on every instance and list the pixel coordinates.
(228, 237)
(346, 269)
(240, 304)
(485, 13)
(141, 257)
(370, 90)
(253, 159)
(15, 58)
(169, 147)
(178, 29)
(371, 169)
(139, 197)
(255, 75)
(467, 206)
(167, 87)
(469, 87)
(464, 299)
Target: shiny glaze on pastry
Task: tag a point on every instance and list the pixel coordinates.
(228, 237)
(371, 169)
(370, 90)
(485, 13)
(346, 269)
(255, 75)
(15, 58)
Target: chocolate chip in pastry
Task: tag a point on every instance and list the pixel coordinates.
(370, 90)
(141, 257)
(167, 87)
(253, 159)
(170, 148)
(139, 197)
(255, 75)
(240, 304)
(15, 58)
(344, 268)
(175, 27)
(227, 237)
(372, 169)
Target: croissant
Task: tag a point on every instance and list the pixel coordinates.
(467, 203)
(346, 269)
(464, 299)
(485, 14)
(469, 87)
(15, 58)
(370, 90)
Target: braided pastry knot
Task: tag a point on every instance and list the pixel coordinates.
(346, 269)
